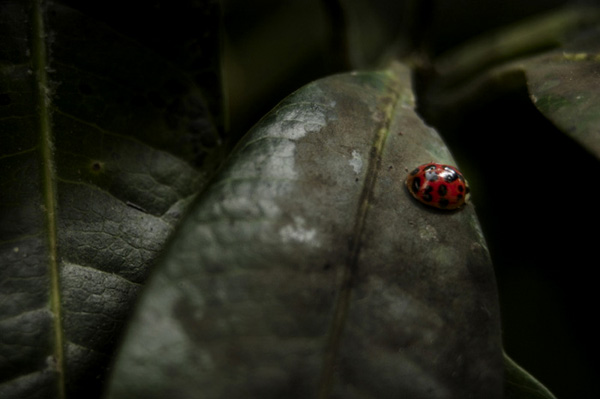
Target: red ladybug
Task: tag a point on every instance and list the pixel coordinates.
(437, 185)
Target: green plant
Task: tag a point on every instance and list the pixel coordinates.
(288, 261)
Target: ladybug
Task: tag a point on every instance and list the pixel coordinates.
(437, 185)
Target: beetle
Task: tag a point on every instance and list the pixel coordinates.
(438, 185)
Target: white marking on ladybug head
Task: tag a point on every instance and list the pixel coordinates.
(431, 175)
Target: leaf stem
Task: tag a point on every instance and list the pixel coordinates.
(343, 300)
(40, 59)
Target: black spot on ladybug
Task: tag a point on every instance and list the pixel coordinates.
(451, 175)
(416, 184)
(459, 196)
(460, 188)
(427, 196)
(414, 172)
(443, 202)
(442, 190)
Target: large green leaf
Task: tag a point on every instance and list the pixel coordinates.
(553, 56)
(306, 269)
(100, 139)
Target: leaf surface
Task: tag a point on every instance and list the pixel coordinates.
(565, 86)
(306, 269)
(554, 57)
(98, 162)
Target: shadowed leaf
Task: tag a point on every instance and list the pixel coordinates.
(565, 86)
(100, 140)
(555, 57)
(306, 269)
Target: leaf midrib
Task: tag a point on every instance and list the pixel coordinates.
(343, 300)
(46, 143)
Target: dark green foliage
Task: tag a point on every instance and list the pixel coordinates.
(288, 260)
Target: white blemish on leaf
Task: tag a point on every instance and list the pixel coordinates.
(296, 123)
(51, 364)
(428, 233)
(356, 162)
(298, 232)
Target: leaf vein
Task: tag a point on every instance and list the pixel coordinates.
(40, 64)
(343, 301)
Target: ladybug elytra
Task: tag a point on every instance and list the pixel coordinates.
(437, 185)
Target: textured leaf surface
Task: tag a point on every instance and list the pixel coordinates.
(96, 157)
(565, 86)
(307, 270)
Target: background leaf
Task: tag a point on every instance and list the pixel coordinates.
(306, 269)
(486, 111)
(102, 145)
(564, 85)
(552, 55)
(521, 385)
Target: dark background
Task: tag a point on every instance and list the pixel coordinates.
(533, 188)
